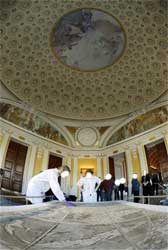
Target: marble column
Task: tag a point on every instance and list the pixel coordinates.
(129, 168)
(105, 165)
(99, 167)
(75, 176)
(65, 182)
(142, 158)
(26, 170)
(45, 160)
(68, 188)
(4, 148)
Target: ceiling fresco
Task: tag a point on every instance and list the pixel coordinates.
(88, 39)
(31, 122)
(140, 124)
(44, 71)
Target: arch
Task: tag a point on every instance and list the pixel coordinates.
(138, 125)
(33, 121)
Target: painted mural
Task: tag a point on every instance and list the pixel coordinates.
(88, 39)
(140, 124)
(30, 121)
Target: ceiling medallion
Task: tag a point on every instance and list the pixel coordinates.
(87, 136)
(88, 39)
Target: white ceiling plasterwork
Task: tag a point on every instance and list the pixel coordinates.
(33, 73)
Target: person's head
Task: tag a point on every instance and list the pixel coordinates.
(134, 176)
(117, 182)
(64, 171)
(122, 180)
(89, 173)
(108, 177)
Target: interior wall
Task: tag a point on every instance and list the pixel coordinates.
(119, 166)
(84, 164)
(39, 149)
(136, 164)
(38, 162)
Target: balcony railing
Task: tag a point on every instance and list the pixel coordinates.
(11, 200)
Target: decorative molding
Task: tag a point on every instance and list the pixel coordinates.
(87, 136)
(31, 139)
(110, 131)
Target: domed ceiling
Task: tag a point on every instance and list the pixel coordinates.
(84, 60)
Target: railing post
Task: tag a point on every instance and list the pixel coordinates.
(148, 199)
(142, 199)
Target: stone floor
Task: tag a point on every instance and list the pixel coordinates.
(111, 226)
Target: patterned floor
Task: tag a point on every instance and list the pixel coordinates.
(101, 226)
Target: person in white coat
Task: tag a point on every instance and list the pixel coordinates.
(45, 180)
(89, 185)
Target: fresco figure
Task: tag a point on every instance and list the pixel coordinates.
(32, 122)
(88, 39)
(140, 124)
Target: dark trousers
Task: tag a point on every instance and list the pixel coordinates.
(121, 194)
(136, 199)
(81, 196)
(98, 195)
(155, 188)
(116, 195)
(103, 195)
(108, 194)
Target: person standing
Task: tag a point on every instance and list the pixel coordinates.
(98, 191)
(146, 186)
(107, 186)
(135, 187)
(155, 183)
(122, 187)
(89, 184)
(116, 189)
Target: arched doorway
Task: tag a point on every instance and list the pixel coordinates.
(157, 158)
(118, 167)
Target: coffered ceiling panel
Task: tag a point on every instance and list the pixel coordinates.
(84, 60)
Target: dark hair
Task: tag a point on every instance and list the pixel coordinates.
(66, 168)
(89, 171)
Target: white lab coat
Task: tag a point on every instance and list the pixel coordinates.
(41, 183)
(89, 188)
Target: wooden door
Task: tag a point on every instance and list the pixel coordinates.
(14, 166)
(157, 159)
(111, 167)
(54, 162)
